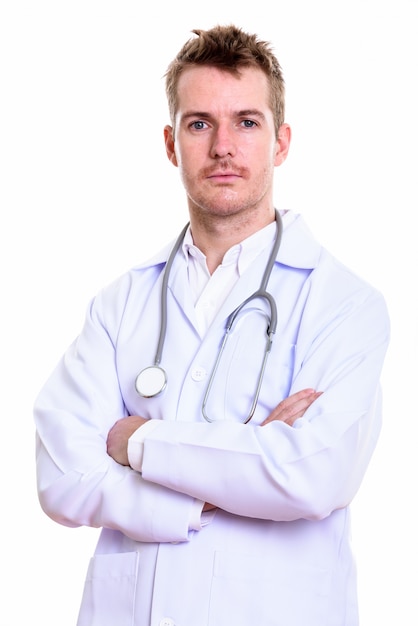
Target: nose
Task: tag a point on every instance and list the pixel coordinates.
(223, 142)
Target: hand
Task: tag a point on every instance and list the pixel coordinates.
(293, 407)
(208, 507)
(117, 439)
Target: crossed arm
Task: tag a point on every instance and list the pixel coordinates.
(288, 411)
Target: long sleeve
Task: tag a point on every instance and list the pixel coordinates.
(78, 483)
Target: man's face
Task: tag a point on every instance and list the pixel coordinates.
(225, 144)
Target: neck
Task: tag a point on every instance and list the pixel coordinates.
(215, 235)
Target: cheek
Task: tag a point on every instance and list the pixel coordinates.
(188, 159)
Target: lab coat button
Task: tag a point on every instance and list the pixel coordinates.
(199, 374)
(167, 621)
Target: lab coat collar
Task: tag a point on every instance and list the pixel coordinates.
(298, 249)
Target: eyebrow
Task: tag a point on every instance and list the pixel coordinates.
(251, 113)
(239, 114)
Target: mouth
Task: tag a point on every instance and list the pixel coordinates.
(224, 176)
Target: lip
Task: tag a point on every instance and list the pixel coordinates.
(224, 176)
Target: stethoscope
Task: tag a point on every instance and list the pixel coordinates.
(152, 380)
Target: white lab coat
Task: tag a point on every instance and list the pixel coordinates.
(277, 552)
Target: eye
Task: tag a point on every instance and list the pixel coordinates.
(198, 125)
(248, 123)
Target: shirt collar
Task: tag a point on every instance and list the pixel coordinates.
(298, 249)
(241, 254)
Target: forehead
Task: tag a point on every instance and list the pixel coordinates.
(203, 87)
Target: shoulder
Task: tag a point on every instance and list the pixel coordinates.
(133, 285)
(331, 282)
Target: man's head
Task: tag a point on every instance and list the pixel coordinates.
(230, 49)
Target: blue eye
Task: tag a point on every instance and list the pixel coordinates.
(198, 125)
(248, 123)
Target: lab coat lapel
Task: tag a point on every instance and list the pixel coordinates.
(178, 285)
(298, 249)
(246, 285)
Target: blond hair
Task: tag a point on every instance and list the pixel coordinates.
(228, 48)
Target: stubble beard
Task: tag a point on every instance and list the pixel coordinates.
(223, 201)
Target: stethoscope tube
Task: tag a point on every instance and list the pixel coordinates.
(152, 380)
(261, 293)
(164, 293)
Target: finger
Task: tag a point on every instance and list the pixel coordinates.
(293, 407)
(298, 409)
(293, 404)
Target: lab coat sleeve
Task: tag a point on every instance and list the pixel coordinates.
(284, 473)
(78, 483)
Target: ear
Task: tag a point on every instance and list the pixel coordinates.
(169, 144)
(282, 144)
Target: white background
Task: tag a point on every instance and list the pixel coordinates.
(87, 192)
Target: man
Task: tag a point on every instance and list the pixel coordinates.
(223, 489)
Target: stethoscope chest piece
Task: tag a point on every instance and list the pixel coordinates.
(151, 381)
